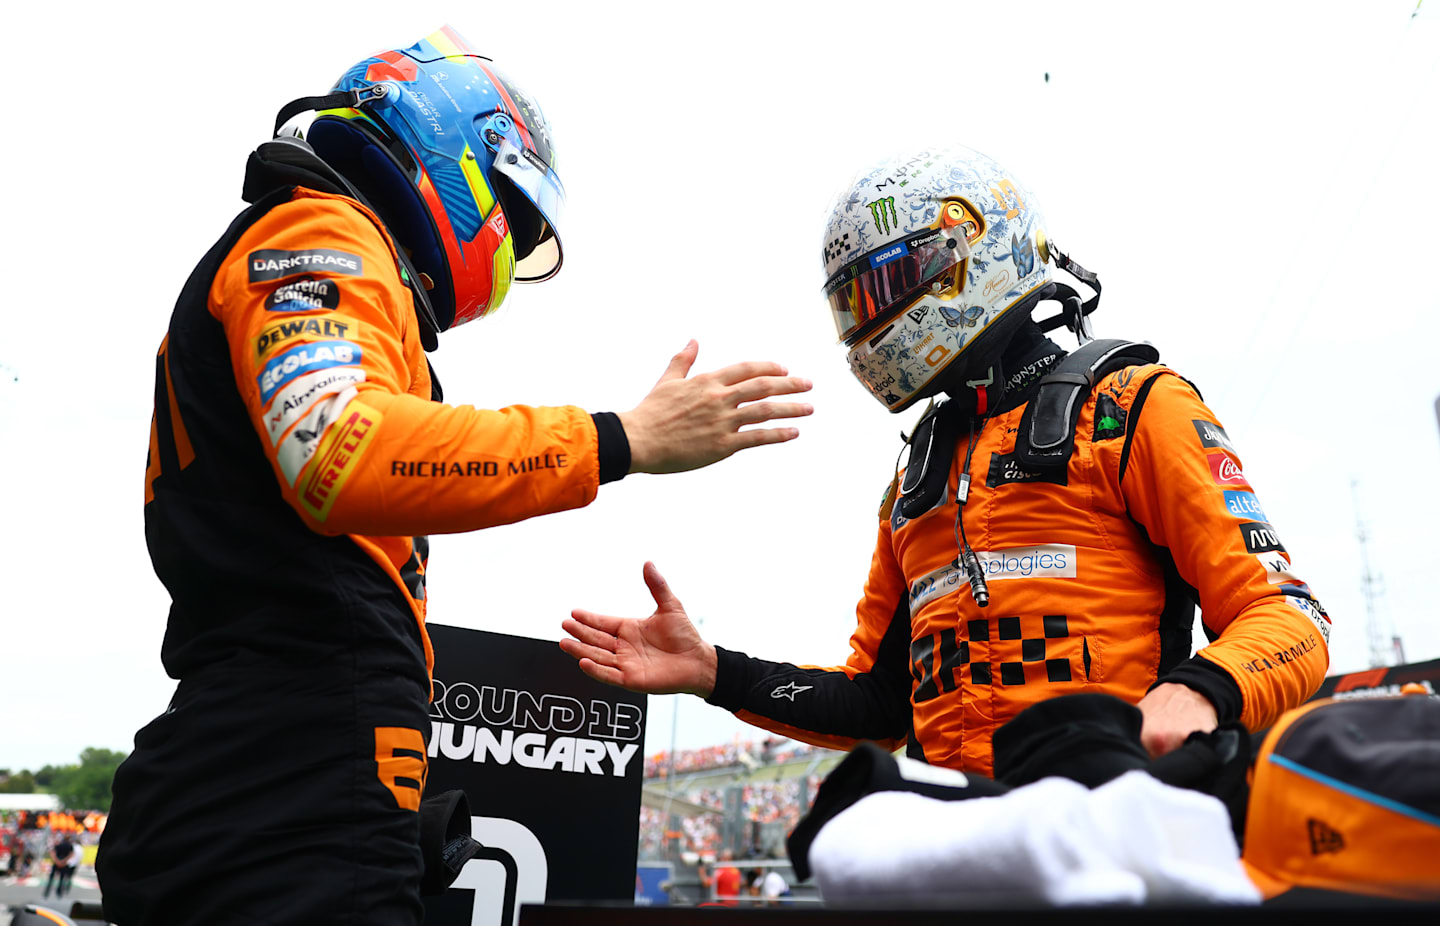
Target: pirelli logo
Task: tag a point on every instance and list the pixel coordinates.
(337, 457)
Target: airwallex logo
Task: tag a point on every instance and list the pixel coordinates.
(1042, 561)
(505, 726)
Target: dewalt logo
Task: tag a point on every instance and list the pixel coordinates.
(283, 332)
(882, 211)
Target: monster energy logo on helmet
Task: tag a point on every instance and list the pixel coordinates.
(883, 221)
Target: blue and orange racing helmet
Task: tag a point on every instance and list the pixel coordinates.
(458, 160)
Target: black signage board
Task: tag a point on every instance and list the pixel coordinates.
(1382, 681)
(551, 762)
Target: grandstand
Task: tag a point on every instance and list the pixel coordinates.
(741, 796)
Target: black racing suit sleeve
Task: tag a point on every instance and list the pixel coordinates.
(873, 705)
(614, 446)
(1218, 686)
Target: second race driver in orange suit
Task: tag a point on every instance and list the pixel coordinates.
(1057, 520)
(299, 453)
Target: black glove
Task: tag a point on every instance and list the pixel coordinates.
(445, 841)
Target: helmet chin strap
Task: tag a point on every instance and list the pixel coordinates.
(1074, 314)
(340, 99)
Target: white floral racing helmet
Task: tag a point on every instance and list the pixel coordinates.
(932, 261)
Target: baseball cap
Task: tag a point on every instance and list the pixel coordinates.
(1344, 798)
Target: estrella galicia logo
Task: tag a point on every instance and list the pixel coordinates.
(272, 264)
(1212, 435)
(304, 358)
(1260, 537)
(1244, 505)
(1004, 470)
(304, 295)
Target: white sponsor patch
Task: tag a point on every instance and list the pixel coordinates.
(1311, 610)
(295, 400)
(1042, 561)
(1277, 568)
(912, 770)
(298, 446)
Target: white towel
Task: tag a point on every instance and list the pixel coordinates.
(1132, 840)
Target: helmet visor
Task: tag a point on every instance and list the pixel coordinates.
(868, 287)
(542, 187)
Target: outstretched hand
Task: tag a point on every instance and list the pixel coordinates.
(684, 424)
(662, 654)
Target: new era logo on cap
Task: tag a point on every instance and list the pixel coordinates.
(1323, 839)
(1368, 765)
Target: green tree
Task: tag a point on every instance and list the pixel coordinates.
(87, 786)
(22, 782)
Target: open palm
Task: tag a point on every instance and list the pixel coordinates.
(661, 654)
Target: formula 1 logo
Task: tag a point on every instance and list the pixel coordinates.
(884, 220)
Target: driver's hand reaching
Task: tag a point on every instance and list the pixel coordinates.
(687, 422)
(661, 654)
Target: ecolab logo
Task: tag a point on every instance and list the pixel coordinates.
(888, 255)
(506, 725)
(319, 355)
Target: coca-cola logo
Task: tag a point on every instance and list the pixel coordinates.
(1226, 471)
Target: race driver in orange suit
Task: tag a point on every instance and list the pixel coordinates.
(1057, 519)
(299, 453)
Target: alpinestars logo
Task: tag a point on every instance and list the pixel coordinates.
(507, 726)
(789, 690)
(882, 211)
(271, 264)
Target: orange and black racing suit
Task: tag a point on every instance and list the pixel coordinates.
(1092, 571)
(298, 456)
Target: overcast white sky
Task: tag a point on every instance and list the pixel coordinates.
(1254, 183)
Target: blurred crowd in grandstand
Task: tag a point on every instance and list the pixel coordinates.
(771, 751)
(28, 838)
(762, 800)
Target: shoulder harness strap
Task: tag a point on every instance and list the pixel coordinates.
(1047, 426)
(289, 161)
(932, 447)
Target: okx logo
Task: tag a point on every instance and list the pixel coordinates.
(882, 211)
